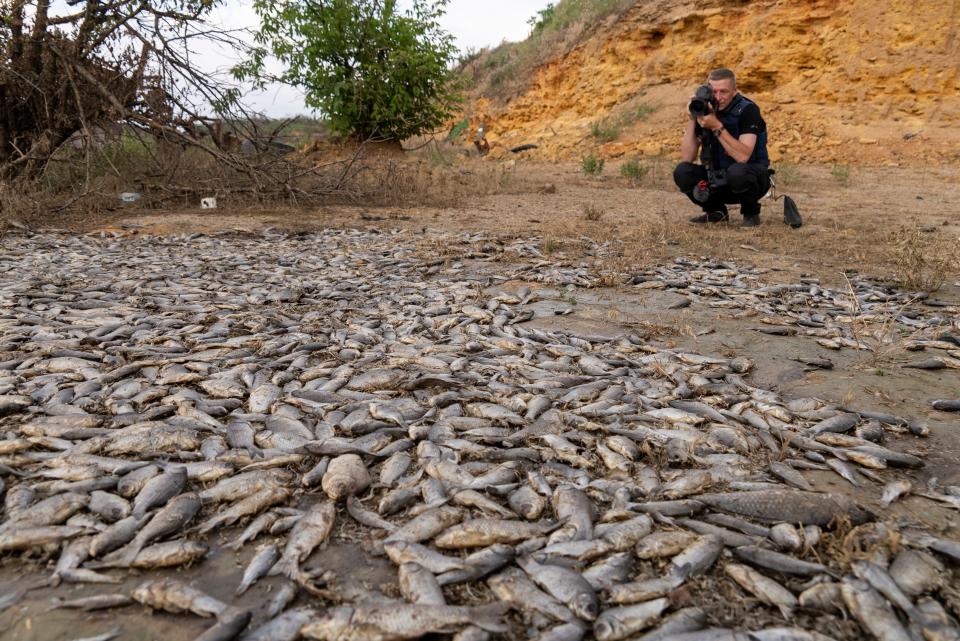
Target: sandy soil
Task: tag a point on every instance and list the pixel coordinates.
(849, 226)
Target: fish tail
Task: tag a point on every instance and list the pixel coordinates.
(490, 617)
(286, 566)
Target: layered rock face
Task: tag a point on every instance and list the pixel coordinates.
(858, 81)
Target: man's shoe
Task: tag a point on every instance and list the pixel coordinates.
(751, 221)
(711, 217)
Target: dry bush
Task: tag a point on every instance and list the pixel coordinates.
(83, 185)
(592, 213)
(400, 183)
(923, 259)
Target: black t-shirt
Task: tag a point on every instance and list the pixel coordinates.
(751, 122)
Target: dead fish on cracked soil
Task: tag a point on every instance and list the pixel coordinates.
(274, 382)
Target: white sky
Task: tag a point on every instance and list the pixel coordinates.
(473, 23)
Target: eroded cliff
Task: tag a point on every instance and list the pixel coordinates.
(859, 82)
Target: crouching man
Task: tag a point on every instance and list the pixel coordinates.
(728, 131)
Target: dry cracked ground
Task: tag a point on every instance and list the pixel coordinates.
(604, 265)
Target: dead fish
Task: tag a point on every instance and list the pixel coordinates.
(477, 500)
(845, 470)
(840, 423)
(171, 518)
(396, 622)
(366, 517)
(527, 503)
(514, 587)
(50, 511)
(762, 587)
(375, 380)
(173, 596)
(346, 475)
(170, 554)
(485, 531)
(282, 597)
(230, 623)
(790, 476)
(393, 468)
(779, 562)
(786, 536)
(793, 506)
(419, 585)
(936, 624)
(663, 543)
(872, 611)
(573, 631)
(133, 482)
(262, 398)
(728, 537)
(622, 622)
(116, 535)
(894, 490)
(160, 489)
(566, 585)
(946, 405)
(401, 552)
(698, 557)
(916, 572)
(681, 621)
(825, 597)
(96, 602)
(253, 504)
(644, 590)
(282, 627)
(479, 564)
(311, 530)
(23, 538)
(426, 525)
(609, 571)
(244, 484)
(259, 565)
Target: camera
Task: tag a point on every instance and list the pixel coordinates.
(703, 102)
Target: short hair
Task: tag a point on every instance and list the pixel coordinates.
(722, 74)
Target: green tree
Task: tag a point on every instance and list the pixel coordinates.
(370, 69)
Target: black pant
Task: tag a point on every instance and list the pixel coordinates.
(746, 183)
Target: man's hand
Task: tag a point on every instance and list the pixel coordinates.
(710, 122)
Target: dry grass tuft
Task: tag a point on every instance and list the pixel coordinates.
(592, 213)
(846, 544)
(923, 258)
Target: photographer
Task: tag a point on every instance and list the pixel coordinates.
(731, 136)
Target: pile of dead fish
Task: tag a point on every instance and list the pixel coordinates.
(808, 308)
(165, 395)
(862, 315)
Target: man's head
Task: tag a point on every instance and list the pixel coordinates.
(724, 85)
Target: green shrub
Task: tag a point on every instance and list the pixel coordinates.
(633, 171)
(605, 130)
(840, 173)
(644, 110)
(592, 166)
